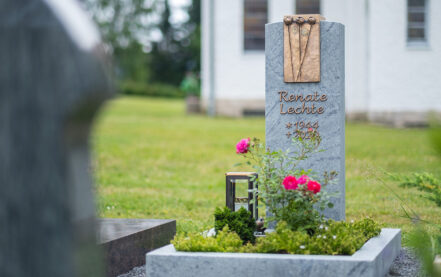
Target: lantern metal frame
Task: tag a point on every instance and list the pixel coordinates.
(230, 195)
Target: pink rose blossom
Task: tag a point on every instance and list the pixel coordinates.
(314, 186)
(303, 179)
(243, 146)
(290, 183)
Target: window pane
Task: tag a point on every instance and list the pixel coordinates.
(416, 20)
(416, 3)
(415, 17)
(415, 34)
(416, 10)
(307, 6)
(416, 25)
(255, 17)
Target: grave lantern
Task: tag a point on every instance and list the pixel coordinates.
(241, 191)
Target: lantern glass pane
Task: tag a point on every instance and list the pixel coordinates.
(241, 199)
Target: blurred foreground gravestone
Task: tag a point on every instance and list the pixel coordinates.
(53, 78)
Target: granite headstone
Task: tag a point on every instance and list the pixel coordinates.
(322, 108)
(127, 240)
(53, 78)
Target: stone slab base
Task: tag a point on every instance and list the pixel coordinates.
(373, 259)
(126, 241)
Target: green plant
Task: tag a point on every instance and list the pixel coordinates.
(191, 85)
(426, 183)
(331, 238)
(426, 246)
(240, 222)
(425, 238)
(287, 197)
(153, 90)
(224, 241)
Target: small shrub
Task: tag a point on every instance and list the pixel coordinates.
(152, 90)
(240, 222)
(224, 241)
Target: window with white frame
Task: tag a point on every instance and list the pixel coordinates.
(307, 6)
(255, 18)
(416, 21)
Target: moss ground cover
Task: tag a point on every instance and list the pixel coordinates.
(332, 238)
(153, 161)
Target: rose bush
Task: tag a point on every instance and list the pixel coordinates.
(294, 200)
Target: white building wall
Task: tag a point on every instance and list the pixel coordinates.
(352, 13)
(357, 56)
(279, 8)
(403, 78)
(205, 52)
(239, 74)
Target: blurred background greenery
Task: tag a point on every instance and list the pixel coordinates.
(154, 43)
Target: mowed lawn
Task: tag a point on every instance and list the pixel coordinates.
(151, 160)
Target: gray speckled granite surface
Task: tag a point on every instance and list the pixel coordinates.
(331, 121)
(405, 265)
(125, 241)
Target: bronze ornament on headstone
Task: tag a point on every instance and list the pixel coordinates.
(301, 47)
